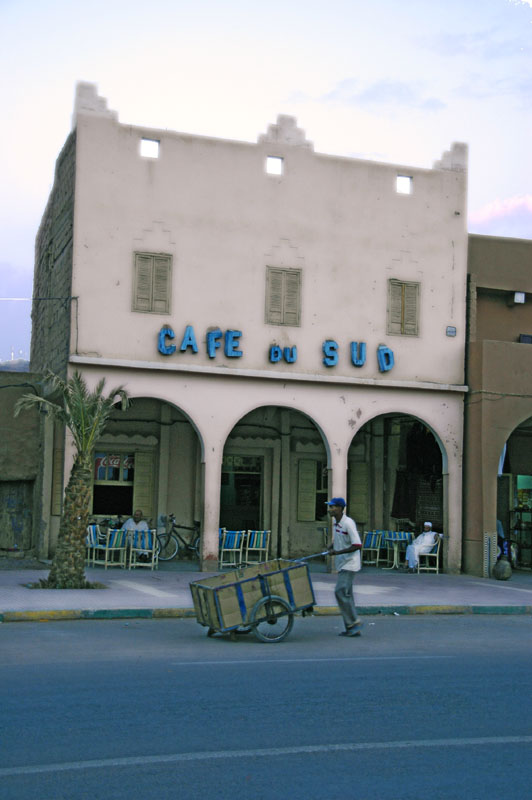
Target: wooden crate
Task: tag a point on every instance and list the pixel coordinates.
(224, 602)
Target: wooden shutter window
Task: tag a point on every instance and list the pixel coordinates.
(283, 303)
(152, 283)
(403, 311)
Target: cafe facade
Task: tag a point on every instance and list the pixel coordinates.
(288, 324)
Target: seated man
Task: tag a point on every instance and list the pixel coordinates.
(137, 523)
(421, 544)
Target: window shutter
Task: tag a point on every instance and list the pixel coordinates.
(306, 490)
(143, 485)
(410, 318)
(143, 283)
(359, 494)
(395, 307)
(291, 297)
(161, 284)
(274, 300)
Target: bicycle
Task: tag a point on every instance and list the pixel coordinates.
(169, 542)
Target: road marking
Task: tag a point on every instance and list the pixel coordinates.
(347, 747)
(498, 586)
(146, 589)
(269, 662)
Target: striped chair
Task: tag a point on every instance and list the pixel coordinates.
(385, 548)
(112, 551)
(92, 540)
(143, 550)
(371, 546)
(256, 546)
(430, 562)
(231, 548)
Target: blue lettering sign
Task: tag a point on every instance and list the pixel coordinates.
(231, 343)
(385, 358)
(290, 354)
(189, 340)
(166, 349)
(213, 342)
(276, 353)
(358, 353)
(330, 349)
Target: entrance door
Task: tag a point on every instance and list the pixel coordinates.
(241, 492)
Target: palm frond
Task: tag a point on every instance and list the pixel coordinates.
(29, 401)
(84, 412)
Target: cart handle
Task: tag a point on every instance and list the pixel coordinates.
(314, 555)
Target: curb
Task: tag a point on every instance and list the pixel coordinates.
(319, 611)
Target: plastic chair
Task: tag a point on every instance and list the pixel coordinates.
(143, 551)
(115, 543)
(431, 561)
(371, 546)
(231, 548)
(256, 546)
(92, 540)
(385, 548)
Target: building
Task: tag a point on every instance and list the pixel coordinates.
(21, 474)
(498, 458)
(290, 325)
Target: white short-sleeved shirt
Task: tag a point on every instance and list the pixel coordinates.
(131, 525)
(345, 534)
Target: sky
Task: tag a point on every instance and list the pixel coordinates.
(385, 80)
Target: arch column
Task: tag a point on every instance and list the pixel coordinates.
(211, 469)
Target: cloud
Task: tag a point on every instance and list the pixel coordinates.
(481, 87)
(510, 216)
(487, 44)
(388, 93)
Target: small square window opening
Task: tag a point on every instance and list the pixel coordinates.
(149, 148)
(404, 184)
(274, 165)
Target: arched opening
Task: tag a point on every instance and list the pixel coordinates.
(149, 458)
(275, 477)
(395, 478)
(514, 497)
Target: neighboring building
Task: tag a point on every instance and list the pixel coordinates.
(499, 404)
(21, 473)
(289, 324)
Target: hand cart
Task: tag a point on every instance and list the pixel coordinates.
(262, 598)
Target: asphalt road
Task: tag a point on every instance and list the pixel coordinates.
(436, 707)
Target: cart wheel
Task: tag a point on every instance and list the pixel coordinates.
(211, 632)
(271, 619)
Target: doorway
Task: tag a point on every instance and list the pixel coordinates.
(241, 492)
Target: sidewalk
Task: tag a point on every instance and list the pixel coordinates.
(165, 593)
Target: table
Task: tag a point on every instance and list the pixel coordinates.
(396, 538)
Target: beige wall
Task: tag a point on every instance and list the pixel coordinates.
(211, 206)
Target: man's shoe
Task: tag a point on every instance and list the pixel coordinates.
(354, 630)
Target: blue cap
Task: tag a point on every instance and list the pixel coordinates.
(336, 501)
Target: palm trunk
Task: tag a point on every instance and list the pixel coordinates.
(68, 566)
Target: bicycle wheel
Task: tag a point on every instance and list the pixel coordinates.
(196, 545)
(168, 546)
(271, 619)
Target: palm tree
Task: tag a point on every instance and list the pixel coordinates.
(86, 415)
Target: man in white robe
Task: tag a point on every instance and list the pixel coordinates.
(421, 544)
